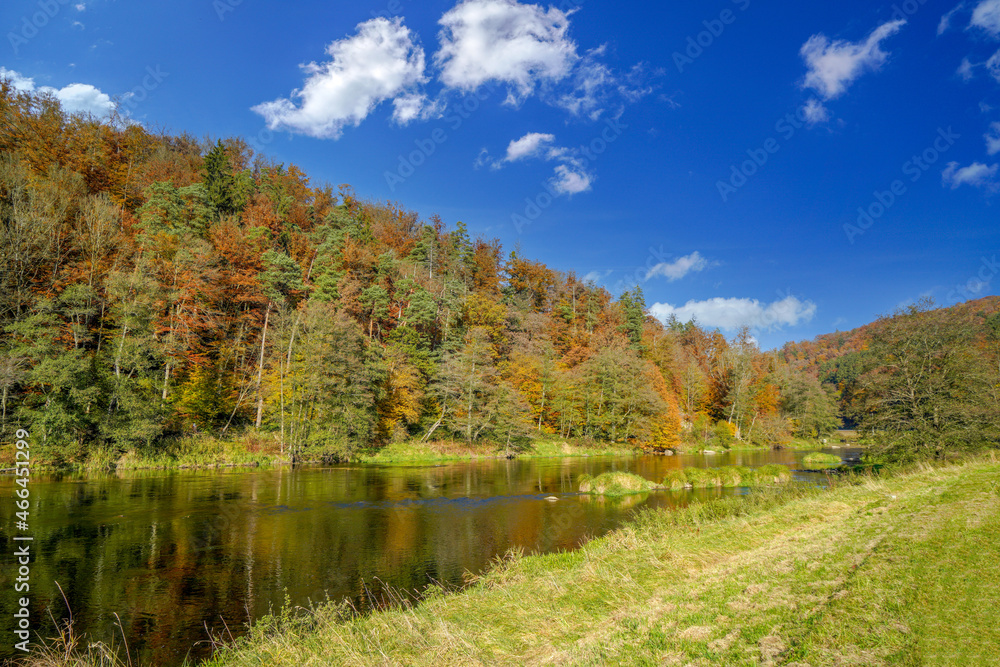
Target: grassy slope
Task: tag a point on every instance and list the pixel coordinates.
(896, 571)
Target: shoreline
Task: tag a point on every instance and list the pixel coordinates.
(212, 454)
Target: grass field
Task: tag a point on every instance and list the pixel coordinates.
(897, 571)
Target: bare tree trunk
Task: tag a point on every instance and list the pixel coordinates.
(260, 368)
(436, 424)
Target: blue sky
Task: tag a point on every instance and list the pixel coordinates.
(798, 167)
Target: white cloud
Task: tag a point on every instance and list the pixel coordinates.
(379, 63)
(596, 87)
(571, 179)
(83, 98)
(74, 98)
(986, 16)
(19, 81)
(993, 139)
(530, 145)
(504, 41)
(993, 65)
(591, 83)
(571, 176)
(945, 22)
(977, 174)
(415, 106)
(833, 66)
(815, 112)
(965, 70)
(678, 268)
(731, 314)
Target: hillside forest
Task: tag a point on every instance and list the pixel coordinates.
(156, 286)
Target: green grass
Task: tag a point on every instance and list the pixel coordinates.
(436, 452)
(880, 572)
(727, 477)
(676, 480)
(615, 484)
(821, 460)
(798, 444)
(201, 451)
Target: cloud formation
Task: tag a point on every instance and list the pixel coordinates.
(993, 65)
(74, 98)
(815, 112)
(986, 16)
(977, 174)
(993, 139)
(731, 314)
(945, 23)
(530, 145)
(570, 175)
(678, 268)
(504, 41)
(381, 62)
(834, 66)
(571, 178)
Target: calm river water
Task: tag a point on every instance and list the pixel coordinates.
(174, 553)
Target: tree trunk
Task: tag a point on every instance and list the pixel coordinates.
(260, 368)
(436, 424)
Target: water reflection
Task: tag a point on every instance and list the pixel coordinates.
(174, 552)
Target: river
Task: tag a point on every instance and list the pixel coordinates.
(180, 554)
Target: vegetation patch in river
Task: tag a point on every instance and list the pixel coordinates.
(726, 477)
(616, 484)
(818, 460)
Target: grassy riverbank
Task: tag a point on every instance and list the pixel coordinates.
(253, 450)
(887, 571)
(437, 452)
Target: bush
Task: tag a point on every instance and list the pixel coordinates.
(821, 460)
(723, 435)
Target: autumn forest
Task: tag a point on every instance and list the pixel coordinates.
(157, 287)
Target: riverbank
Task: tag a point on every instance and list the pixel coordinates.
(253, 450)
(206, 452)
(885, 571)
(439, 452)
